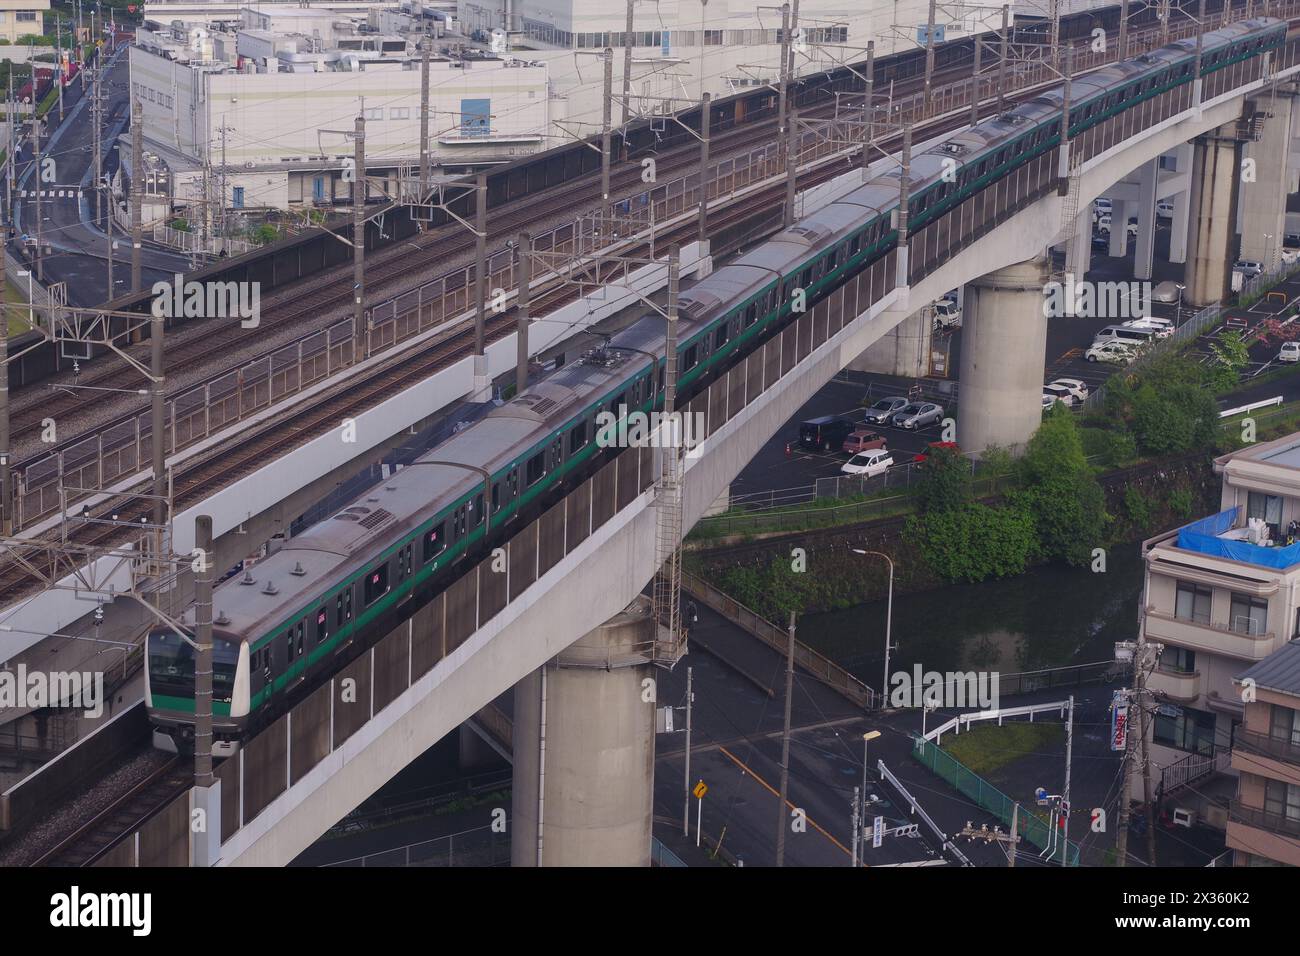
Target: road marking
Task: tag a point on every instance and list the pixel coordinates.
(737, 761)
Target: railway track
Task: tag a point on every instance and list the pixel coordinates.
(387, 273)
(89, 842)
(111, 524)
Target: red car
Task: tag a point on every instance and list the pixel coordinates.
(952, 445)
(862, 440)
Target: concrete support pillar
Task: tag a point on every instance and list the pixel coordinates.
(1004, 342)
(904, 350)
(1215, 174)
(1078, 253)
(1178, 227)
(1145, 254)
(584, 738)
(1263, 201)
(1119, 228)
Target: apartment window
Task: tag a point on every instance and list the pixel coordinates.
(1268, 507)
(1185, 729)
(1282, 799)
(25, 16)
(237, 197)
(1192, 602)
(1178, 659)
(399, 112)
(1284, 724)
(1248, 615)
(376, 113)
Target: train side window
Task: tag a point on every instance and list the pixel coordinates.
(347, 603)
(663, 371)
(751, 314)
(512, 482)
(619, 399)
(496, 497)
(805, 277)
(322, 625)
(855, 244)
(534, 470)
(690, 357)
(288, 646)
(376, 584)
(338, 612)
(434, 544)
(577, 437)
(720, 337)
(300, 629)
(478, 509)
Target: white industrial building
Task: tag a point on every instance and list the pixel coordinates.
(262, 118)
(682, 48)
(250, 103)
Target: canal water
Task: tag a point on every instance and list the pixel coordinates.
(1049, 617)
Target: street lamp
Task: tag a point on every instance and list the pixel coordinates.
(889, 615)
(860, 811)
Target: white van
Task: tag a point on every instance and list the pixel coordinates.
(1127, 334)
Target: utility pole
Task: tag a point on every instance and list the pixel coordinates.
(705, 119)
(869, 109)
(36, 135)
(58, 60)
(975, 84)
(1063, 154)
(424, 120)
(995, 835)
(96, 120)
(783, 86)
(9, 152)
(1122, 53)
(1065, 794)
(525, 253)
(857, 826)
(1054, 18)
(1002, 59)
(137, 191)
(904, 276)
(791, 167)
(1121, 841)
(690, 697)
(358, 238)
(158, 439)
(1015, 826)
(604, 129)
(627, 61)
(790, 72)
(6, 493)
(782, 819)
(480, 264)
(929, 51)
(1142, 705)
(203, 653)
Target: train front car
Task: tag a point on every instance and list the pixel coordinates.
(169, 690)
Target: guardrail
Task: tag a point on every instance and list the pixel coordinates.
(999, 714)
(481, 846)
(814, 662)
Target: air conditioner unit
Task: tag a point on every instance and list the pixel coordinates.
(1184, 817)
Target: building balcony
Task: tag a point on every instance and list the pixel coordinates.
(1266, 756)
(1181, 686)
(1257, 831)
(1208, 637)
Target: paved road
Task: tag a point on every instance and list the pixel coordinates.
(80, 247)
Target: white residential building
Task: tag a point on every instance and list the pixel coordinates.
(20, 18)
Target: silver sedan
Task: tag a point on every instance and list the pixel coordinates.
(916, 416)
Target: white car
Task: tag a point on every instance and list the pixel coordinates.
(869, 463)
(1248, 267)
(1290, 256)
(1165, 209)
(1074, 386)
(1057, 393)
(1112, 351)
(1163, 328)
(1290, 352)
(1103, 205)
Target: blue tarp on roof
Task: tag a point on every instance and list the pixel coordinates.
(1203, 538)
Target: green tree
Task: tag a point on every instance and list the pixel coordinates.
(1230, 356)
(945, 481)
(1059, 491)
(975, 541)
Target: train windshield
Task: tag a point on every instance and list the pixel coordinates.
(171, 666)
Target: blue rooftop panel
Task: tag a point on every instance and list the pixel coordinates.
(1204, 537)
